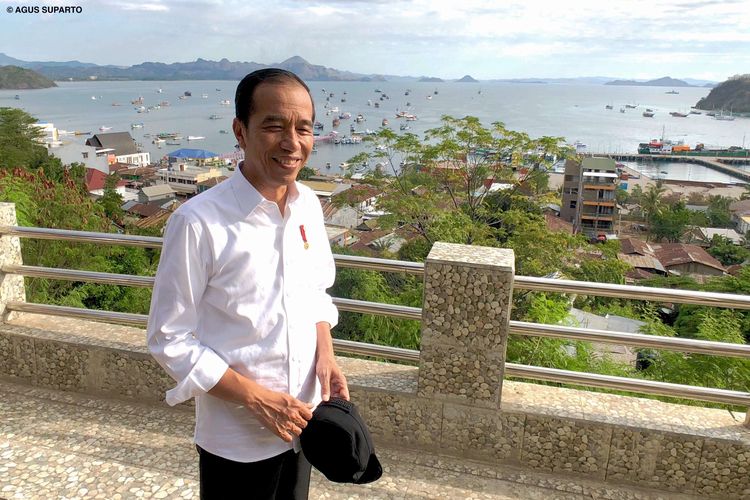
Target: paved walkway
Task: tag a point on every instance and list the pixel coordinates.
(67, 445)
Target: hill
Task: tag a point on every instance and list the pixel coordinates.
(467, 79)
(200, 69)
(15, 78)
(430, 79)
(659, 82)
(732, 95)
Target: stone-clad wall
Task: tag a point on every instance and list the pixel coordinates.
(710, 456)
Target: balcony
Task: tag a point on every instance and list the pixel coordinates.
(81, 397)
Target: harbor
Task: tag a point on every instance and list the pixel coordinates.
(716, 163)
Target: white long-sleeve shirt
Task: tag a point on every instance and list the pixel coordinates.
(237, 287)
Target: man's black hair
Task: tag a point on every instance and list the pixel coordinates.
(243, 98)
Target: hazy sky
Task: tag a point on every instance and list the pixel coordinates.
(703, 39)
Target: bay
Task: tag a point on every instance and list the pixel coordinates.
(575, 112)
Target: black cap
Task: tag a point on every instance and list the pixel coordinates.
(337, 442)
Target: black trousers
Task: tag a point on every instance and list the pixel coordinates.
(283, 477)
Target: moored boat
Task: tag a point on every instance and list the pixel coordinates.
(677, 114)
(195, 137)
(648, 114)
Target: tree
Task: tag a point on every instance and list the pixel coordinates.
(305, 173)
(111, 201)
(726, 252)
(670, 224)
(718, 211)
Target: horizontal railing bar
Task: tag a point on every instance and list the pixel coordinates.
(632, 339)
(511, 369)
(532, 283)
(130, 319)
(628, 384)
(395, 311)
(141, 320)
(374, 350)
(375, 264)
(77, 275)
(712, 299)
(82, 236)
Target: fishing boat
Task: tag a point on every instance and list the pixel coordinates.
(187, 93)
(648, 114)
(608, 106)
(359, 118)
(195, 137)
(677, 114)
(384, 123)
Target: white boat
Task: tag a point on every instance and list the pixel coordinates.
(104, 129)
(724, 117)
(93, 98)
(226, 102)
(204, 96)
(136, 125)
(158, 141)
(195, 137)
(159, 91)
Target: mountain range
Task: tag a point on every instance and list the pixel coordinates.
(202, 69)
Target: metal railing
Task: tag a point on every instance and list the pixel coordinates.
(413, 313)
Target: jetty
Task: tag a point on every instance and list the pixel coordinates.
(720, 164)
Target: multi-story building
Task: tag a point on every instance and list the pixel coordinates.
(589, 196)
(184, 179)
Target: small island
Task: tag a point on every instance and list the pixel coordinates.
(15, 78)
(731, 96)
(431, 79)
(659, 82)
(467, 79)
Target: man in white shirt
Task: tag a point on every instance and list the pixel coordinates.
(240, 317)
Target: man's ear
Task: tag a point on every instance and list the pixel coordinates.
(238, 128)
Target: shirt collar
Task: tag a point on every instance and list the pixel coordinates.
(248, 197)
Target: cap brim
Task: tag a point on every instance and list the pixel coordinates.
(373, 471)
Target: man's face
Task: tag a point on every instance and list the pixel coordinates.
(279, 136)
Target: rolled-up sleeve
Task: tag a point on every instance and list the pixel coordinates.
(181, 279)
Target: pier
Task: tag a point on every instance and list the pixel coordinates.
(713, 162)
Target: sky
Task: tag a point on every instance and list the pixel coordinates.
(487, 39)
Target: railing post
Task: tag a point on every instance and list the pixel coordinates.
(11, 285)
(465, 321)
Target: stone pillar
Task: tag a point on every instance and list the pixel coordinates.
(465, 319)
(11, 285)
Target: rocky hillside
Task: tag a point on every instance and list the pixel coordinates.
(732, 95)
(15, 78)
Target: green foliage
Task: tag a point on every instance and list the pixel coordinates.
(669, 224)
(726, 252)
(718, 211)
(305, 173)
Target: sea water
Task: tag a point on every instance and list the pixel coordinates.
(574, 112)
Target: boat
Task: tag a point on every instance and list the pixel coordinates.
(359, 118)
(195, 137)
(622, 110)
(352, 128)
(214, 117)
(377, 104)
(677, 114)
(672, 92)
(724, 117)
(159, 91)
(222, 131)
(336, 122)
(182, 97)
(608, 106)
(435, 92)
(384, 123)
(204, 96)
(369, 102)
(93, 98)
(694, 112)
(173, 143)
(225, 102)
(429, 97)
(78, 132)
(17, 97)
(345, 116)
(404, 126)
(104, 129)
(138, 101)
(649, 110)
(136, 125)
(158, 141)
(318, 126)
(187, 93)
(631, 106)
(648, 114)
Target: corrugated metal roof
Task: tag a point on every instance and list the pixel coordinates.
(642, 261)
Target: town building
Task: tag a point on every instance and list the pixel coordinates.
(589, 196)
(184, 178)
(119, 147)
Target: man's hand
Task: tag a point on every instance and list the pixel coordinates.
(281, 413)
(332, 380)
